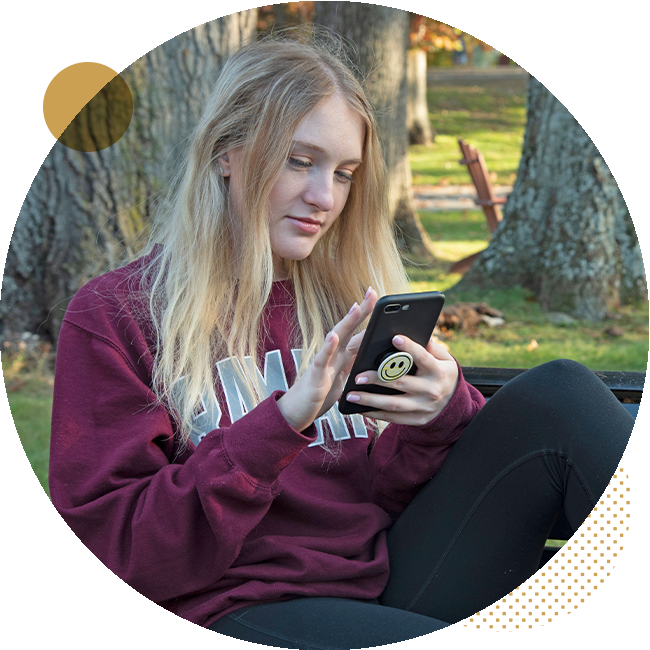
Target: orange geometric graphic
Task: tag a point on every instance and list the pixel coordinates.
(66, 88)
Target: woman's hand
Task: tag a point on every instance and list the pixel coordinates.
(316, 390)
(425, 394)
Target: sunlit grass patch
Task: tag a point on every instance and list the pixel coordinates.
(492, 117)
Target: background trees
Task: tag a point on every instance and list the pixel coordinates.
(432, 40)
(381, 36)
(84, 210)
(567, 234)
(453, 26)
(284, 14)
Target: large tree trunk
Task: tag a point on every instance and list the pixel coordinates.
(566, 233)
(381, 37)
(84, 210)
(417, 109)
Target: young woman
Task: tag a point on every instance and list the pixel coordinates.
(197, 447)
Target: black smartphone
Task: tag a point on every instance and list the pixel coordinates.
(410, 314)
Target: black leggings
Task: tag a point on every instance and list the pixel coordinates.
(545, 445)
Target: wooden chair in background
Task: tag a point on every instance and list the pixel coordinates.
(485, 196)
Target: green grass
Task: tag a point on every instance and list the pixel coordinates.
(456, 234)
(492, 117)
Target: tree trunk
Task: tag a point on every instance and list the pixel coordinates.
(566, 233)
(381, 37)
(417, 110)
(84, 211)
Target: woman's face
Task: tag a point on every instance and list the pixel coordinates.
(314, 183)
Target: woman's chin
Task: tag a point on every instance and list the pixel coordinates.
(295, 254)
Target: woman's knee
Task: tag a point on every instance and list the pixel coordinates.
(559, 370)
(554, 391)
(561, 378)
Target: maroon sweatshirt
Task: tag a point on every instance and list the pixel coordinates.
(251, 510)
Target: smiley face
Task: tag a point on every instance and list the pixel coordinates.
(394, 366)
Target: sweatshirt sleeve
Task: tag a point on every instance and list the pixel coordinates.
(405, 457)
(165, 524)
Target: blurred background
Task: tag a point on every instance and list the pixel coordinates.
(551, 98)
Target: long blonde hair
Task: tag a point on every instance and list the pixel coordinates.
(205, 303)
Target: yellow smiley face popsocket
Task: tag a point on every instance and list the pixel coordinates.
(394, 366)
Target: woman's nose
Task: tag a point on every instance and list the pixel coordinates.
(320, 192)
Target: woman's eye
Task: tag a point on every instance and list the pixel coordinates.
(345, 177)
(297, 162)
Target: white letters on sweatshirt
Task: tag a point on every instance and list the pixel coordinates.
(240, 398)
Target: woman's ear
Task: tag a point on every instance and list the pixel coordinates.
(224, 165)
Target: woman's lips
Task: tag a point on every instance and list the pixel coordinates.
(306, 225)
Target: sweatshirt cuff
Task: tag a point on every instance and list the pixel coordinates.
(447, 426)
(262, 443)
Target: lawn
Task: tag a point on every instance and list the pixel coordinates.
(492, 117)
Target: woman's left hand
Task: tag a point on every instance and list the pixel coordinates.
(425, 394)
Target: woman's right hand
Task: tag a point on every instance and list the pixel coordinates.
(316, 390)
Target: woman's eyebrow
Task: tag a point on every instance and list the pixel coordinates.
(315, 147)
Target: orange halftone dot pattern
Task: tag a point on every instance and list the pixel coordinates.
(573, 574)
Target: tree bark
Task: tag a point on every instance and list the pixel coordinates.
(566, 232)
(84, 211)
(381, 38)
(417, 110)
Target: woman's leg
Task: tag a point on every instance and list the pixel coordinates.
(550, 440)
(324, 624)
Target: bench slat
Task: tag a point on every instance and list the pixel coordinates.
(627, 386)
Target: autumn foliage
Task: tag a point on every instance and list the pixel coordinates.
(281, 15)
(453, 26)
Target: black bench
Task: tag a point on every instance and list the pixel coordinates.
(36, 572)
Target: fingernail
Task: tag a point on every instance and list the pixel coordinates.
(328, 338)
(367, 293)
(361, 380)
(398, 340)
(353, 398)
(352, 308)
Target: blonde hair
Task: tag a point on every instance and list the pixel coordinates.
(205, 303)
